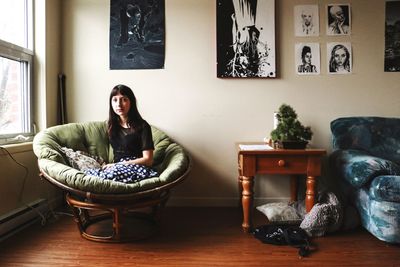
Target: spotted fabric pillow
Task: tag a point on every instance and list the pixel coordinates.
(81, 160)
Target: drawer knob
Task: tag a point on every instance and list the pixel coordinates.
(281, 163)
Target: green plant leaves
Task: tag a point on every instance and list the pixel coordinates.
(289, 127)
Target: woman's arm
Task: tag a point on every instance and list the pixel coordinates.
(146, 160)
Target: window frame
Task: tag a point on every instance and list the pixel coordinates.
(25, 57)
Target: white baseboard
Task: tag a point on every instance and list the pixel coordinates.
(217, 202)
(20, 218)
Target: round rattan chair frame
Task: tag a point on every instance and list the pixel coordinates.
(93, 209)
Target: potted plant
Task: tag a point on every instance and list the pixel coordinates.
(290, 133)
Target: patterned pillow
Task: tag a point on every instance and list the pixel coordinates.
(81, 160)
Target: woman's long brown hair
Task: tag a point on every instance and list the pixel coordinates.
(135, 120)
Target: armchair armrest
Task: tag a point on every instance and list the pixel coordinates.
(359, 168)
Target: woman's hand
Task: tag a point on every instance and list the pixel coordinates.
(106, 166)
(146, 160)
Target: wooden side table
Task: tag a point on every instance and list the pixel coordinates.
(277, 161)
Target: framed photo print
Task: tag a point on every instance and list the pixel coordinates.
(307, 58)
(339, 58)
(339, 19)
(246, 38)
(306, 20)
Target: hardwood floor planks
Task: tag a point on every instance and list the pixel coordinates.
(190, 237)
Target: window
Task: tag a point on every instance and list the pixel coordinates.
(16, 57)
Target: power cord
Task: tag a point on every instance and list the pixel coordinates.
(43, 217)
(25, 176)
(52, 214)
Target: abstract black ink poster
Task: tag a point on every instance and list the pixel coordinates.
(246, 38)
(392, 36)
(137, 34)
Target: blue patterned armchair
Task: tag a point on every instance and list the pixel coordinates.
(366, 160)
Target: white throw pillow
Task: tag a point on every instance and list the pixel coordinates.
(280, 212)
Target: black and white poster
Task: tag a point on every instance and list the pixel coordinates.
(339, 58)
(392, 36)
(338, 19)
(137, 34)
(307, 58)
(246, 38)
(306, 20)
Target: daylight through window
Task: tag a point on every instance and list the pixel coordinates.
(16, 56)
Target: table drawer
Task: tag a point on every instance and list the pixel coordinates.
(282, 164)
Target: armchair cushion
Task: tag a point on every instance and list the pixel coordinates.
(386, 188)
(359, 168)
(377, 136)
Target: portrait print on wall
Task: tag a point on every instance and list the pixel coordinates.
(339, 19)
(137, 34)
(307, 58)
(306, 20)
(246, 38)
(392, 36)
(339, 58)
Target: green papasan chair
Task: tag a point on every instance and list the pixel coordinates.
(105, 210)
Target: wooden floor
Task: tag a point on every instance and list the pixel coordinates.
(189, 237)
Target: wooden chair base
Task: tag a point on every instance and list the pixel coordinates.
(117, 221)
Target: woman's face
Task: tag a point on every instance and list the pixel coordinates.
(121, 105)
(340, 56)
(307, 58)
(337, 13)
(307, 18)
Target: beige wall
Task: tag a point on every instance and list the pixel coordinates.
(47, 64)
(208, 115)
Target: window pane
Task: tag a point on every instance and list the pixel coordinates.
(11, 97)
(13, 22)
(16, 57)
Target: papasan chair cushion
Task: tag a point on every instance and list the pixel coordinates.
(170, 160)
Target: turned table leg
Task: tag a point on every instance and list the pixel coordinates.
(310, 192)
(247, 202)
(293, 188)
(240, 189)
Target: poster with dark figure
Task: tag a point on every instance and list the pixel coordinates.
(307, 58)
(137, 34)
(339, 19)
(246, 38)
(392, 36)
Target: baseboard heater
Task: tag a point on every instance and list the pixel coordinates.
(20, 218)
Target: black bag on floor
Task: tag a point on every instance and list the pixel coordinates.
(284, 235)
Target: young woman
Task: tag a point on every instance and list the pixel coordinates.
(131, 139)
